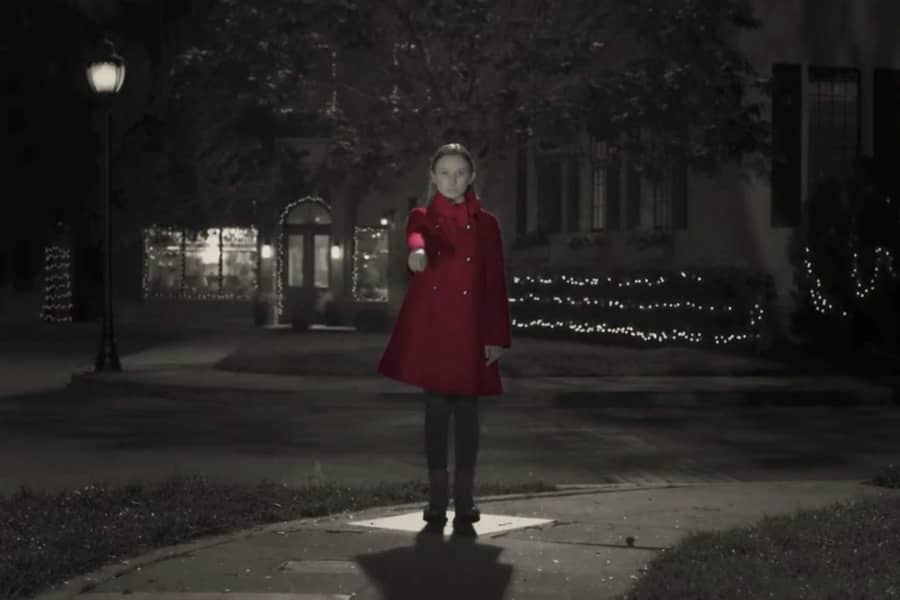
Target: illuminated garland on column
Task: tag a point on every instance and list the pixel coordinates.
(148, 255)
(755, 316)
(378, 232)
(57, 306)
(182, 280)
(221, 277)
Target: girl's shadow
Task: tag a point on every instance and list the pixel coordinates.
(438, 568)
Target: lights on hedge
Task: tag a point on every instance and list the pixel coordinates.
(696, 337)
(755, 316)
(593, 281)
(822, 304)
(607, 303)
(882, 255)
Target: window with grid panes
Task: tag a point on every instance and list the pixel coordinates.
(834, 122)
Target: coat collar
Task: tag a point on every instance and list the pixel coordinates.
(442, 207)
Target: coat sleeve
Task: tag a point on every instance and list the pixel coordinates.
(495, 318)
(415, 230)
(415, 233)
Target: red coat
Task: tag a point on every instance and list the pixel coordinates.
(456, 306)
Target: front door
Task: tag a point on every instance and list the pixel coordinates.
(308, 271)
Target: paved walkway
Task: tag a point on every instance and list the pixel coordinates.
(591, 543)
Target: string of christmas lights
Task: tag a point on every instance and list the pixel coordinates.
(57, 307)
(822, 304)
(280, 249)
(593, 281)
(696, 337)
(755, 316)
(608, 303)
(882, 255)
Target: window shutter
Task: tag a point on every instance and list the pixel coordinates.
(550, 192)
(613, 174)
(887, 125)
(573, 196)
(679, 194)
(787, 123)
(522, 190)
(633, 214)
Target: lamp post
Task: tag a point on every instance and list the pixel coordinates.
(105, 77)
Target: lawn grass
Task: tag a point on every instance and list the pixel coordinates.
(45, 539)
(846, 550)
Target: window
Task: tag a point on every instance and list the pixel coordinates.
(214, 263)
(605, 197)
(663, 204)
(295, 260)
(834, 122)
(662, 213)
(322, 260)
(670, 197)
(238, 261)
(559, 184)
(550, 194)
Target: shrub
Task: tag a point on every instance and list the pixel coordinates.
(843, 255)
(648, 300)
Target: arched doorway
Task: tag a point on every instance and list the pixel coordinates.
(305, 269)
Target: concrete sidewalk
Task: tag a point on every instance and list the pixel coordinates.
(592, 543)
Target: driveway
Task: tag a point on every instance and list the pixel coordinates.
(64, 439)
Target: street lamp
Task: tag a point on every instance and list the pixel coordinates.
(105, 77)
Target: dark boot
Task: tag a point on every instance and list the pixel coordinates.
(463, 500)
(439, 497)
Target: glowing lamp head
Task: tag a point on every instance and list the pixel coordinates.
(107, 75)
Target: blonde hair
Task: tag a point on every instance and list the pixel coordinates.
(447, 150)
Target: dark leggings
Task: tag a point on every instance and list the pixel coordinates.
(437, 425)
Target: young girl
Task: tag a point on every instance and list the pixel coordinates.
(452, 327)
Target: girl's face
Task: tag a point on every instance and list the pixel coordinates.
(451, 176)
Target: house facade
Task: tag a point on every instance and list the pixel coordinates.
(577, 203)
